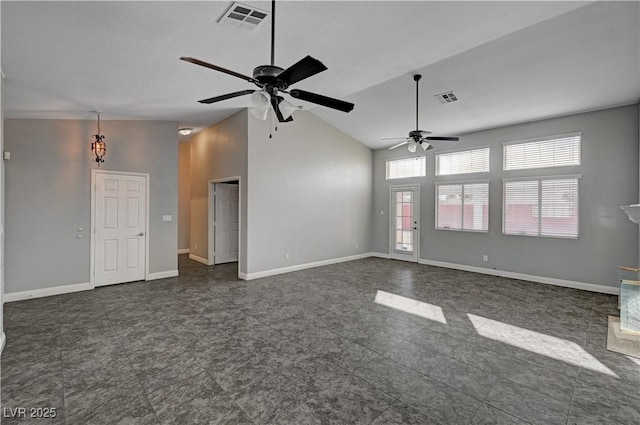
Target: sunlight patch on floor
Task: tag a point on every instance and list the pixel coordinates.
(408, 305)
(535, 342)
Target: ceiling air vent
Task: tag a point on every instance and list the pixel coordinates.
(447, 97)
(242, 16)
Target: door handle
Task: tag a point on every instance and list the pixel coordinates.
(140, 234)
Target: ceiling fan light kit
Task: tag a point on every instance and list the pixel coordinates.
(417, 136)
(272, 80)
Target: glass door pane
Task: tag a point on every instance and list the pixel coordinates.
(403, 229)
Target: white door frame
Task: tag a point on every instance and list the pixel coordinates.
(92, 266)
(416, 213)
(211, 252)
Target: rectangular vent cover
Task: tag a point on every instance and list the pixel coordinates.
(242, 16)
(446, 97)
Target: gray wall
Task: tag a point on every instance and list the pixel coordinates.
(218, 151)
(609, 179)
(310, 193)
(48, 195)
(184, 194)
(1, 213)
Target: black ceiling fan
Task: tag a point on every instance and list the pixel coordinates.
(420, 137)
(273, 80)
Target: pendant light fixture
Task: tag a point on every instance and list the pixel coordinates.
(98, 146)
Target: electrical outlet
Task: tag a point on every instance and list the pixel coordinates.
(357, 246)
(485, 258)
(195, 247)
(286, 256)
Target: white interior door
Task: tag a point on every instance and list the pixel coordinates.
(120, 224)
(226, 223)
(405, 216)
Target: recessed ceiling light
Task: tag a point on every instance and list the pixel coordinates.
(185, 131)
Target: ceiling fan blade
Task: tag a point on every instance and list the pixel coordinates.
(226, 96)
(394, 138)
(219, 68)
(447, 139)
(304, 68)
(399, 144)
(319, 99)
(275, 103)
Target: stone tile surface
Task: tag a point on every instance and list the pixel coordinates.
(314, 347)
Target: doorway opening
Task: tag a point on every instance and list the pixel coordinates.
(224, 221)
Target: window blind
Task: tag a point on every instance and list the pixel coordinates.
(409, 167)
(541, 207)
(462, 206)
(560, 151)
(462, 162)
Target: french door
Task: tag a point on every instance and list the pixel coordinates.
(404, 234)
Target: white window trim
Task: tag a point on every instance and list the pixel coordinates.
(446, 182)
(468, 148)
(539, 179)
(436, 168)
(541, 139)
(403, 158)
(550, 177)
(461, 182)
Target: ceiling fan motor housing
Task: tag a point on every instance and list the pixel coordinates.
(417, 135)
(267, 75)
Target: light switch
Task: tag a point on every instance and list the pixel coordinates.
(167, 218)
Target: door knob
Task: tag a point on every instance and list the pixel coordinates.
(141, 234)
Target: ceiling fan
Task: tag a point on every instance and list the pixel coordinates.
(420, 137)
(272, 80)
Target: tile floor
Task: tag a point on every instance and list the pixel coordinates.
(366, 342)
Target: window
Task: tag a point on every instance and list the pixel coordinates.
(409, 167)
(462, 206)
(549, 152)
(546, 206)
(462, 162)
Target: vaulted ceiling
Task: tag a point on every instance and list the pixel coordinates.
(508, 62)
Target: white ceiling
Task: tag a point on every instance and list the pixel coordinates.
(508, 62)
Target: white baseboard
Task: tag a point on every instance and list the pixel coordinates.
(199, 259)
(528, 277)
(184, 250)
(272, 272)
(3, 340)
(46, 292)
(162, 275)
(380, 255)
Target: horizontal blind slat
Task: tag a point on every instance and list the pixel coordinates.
(409, 167)
(563, 151)
(462, 162)
(462, 206)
